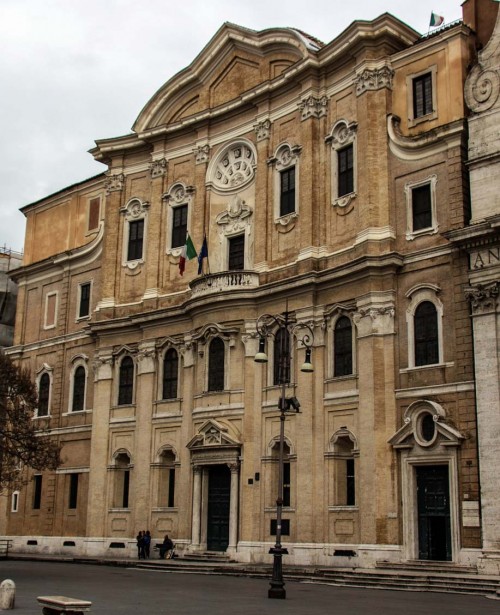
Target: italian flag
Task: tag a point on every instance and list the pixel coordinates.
(188, 252)
(436, 20)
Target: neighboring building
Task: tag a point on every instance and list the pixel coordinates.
(480, 240)
(324, 177)
(9, 260)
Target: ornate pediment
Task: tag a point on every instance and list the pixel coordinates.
(425, 426)
(213, 434)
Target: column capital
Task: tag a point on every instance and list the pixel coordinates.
(483, 297)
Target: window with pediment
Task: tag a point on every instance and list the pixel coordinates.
(343, 165)
(126, 381)
(170, 374)
(342, 347)
(286, 184)
(179, 202)
(424, 318)
(135, 232)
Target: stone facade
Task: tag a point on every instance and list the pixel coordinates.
(9, 260)
(304, 166)
(480, 241)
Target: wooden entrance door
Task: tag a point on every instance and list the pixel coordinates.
(434, 524)
(219, 491)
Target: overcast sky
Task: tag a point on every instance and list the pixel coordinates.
(72, 71)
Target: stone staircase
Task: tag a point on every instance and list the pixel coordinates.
(412, 576)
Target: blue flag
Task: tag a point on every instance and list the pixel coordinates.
(203, 254)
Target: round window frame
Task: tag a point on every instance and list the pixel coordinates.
(419, 437)
(225, 151)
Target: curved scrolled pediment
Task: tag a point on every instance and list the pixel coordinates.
(235, 61)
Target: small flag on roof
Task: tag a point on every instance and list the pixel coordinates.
(436, 20)
(188, 252)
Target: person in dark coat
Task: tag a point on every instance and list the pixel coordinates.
(166, 547)
(140, 545)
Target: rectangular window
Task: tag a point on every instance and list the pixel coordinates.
(73, 490)
(171, 487)
(287, 191)
(286, 483)
(422, 95)
(94, 214)
(126, 485)
(15, 502)
(50, 310)
(350, 483)
(37, 491)
(345, 160)
(421, 207)
(179, 226)
(84, 307)
(135, 239)
(285, 527)
(236, 260)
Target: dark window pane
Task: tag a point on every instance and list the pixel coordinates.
(126, 485)
(345, 170)
(37, 491)
(216, 365)
(135, 239)
(236, 253)
(126, 383)
(84, 300)
(426, 334)
(342, 342)
(281, 357)
(170, 374)
(286, 483)
(171, 487)
(428, 427)
(421, 207)
(78, 389)
(43, 395)
(179, 226)
(422, 95)
(287, 191)
(350, 483)
(73, 490)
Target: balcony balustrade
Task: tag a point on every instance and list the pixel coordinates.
(224, 281)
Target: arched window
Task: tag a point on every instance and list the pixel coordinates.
(345, 471)
(122, 481)
(126, 382)
(79, 379)
(43, 395)
(166, 487)
(170, 374)
(216, 365)
(425, 324)
(342, 347)
(281, 363)
(287, 480)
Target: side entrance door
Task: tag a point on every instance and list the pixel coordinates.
(219, 487)
(434, 524)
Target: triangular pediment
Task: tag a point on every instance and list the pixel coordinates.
(412, 433)
(213, 434)
(235, 62)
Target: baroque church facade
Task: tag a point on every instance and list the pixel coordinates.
(329, 181)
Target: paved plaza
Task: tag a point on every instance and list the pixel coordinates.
(129, 591)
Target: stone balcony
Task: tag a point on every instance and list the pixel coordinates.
(224, 281)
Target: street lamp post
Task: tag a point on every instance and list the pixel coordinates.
(271, 326)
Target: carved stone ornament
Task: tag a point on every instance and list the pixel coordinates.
(179, 194)
(234, 168)
(263, 130)
(202, 152)
(115, 183)
(213, 434)
(343, 133)
(158, 167)
(374, 79)
(483, 297)
(234, 218)
(313, 106)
